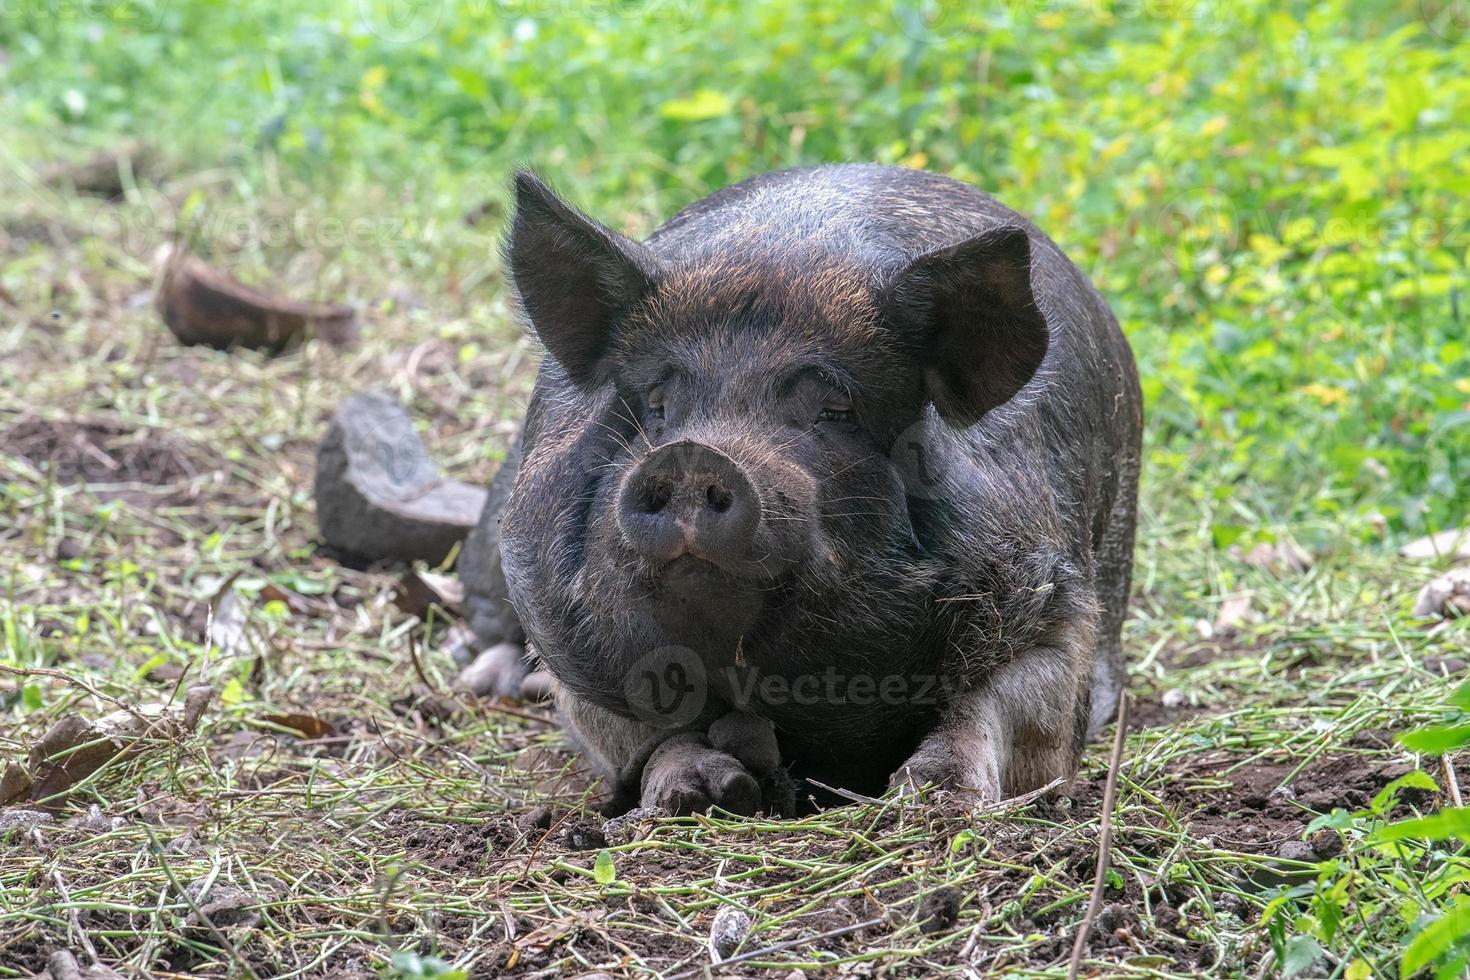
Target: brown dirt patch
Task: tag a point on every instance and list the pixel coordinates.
(101, 451)
(1259, 807)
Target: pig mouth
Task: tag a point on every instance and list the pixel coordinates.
(692, 568)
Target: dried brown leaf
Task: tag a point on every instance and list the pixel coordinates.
(308, 726)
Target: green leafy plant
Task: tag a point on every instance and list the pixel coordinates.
(603, 870)
(1399, 885)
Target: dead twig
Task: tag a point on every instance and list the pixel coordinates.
(75, 924)
(418, 667)
(1104, 839)
(1452, 782)
(846, 794)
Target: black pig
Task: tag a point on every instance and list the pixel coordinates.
(834, 475)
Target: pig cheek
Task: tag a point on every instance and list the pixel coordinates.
(868, 510)
(610, 565)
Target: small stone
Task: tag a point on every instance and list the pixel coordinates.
(19, 819)
(1234, 613)
(1453, 544)
(1115, 916)
(196, 702)
(939, 910)
(1296, 850)
(223, 905)
(1279, 559)
(727, 932)
(15, 782)
(624, 829)
(583, 837)
(379, 495)
(496, 672)
(94, 821)
(1444, 666)
(540, 818)
(1326, 843)
(1167, 918)
(1174, 698)
(62, 965)
(1446, 597)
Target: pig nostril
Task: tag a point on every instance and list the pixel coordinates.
(719, 498)
(655, 498)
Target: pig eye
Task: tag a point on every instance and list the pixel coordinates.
(836, 408)
(655, 400)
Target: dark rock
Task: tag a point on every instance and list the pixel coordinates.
(62, 965)
(1115, 916)
(583, 837)
(540, 818)
(624, 829)
(101, 174)
(728, 930)
(1296, 850)
(379, 496)
(939, 910)
(1167, 917)
(1326, 843)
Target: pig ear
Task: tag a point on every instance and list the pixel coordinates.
(574, 277)
(982, 336)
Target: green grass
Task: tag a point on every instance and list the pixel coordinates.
(1272, 197)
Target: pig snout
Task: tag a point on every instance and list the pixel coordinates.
(689, 499)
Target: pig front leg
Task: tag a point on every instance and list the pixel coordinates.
(1018, 730)
(681, 771)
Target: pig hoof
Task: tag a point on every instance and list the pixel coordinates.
(947, 777)
(685, 775)
(749, 738)
(496, 673)
(538, 688)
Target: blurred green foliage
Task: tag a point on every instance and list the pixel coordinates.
(1272, 195)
